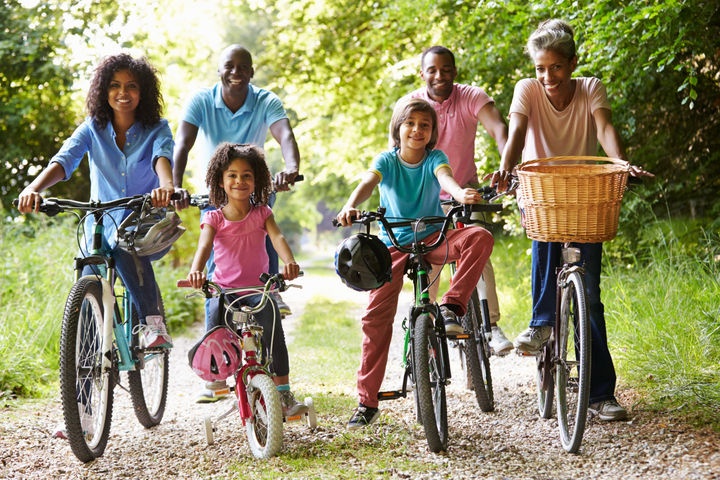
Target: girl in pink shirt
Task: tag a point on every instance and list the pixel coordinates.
(240, 184)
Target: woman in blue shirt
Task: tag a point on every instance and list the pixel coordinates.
(129, 149)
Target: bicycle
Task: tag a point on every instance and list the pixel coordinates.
(99, 338)
(474, 348)
(425, 352)
(258, 401)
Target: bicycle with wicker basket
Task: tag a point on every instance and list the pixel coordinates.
(569, 200)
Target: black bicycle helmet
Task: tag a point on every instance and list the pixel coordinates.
(363, 262)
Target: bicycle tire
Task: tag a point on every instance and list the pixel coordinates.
(429, 370)
(476, 352)
(264, 428)
(86, 391)
(572, 372)
(545, 396)
(149, 384)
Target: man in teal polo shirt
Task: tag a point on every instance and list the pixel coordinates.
(234, 110)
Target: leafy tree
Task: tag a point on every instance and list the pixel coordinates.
(36, 108)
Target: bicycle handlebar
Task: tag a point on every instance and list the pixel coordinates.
(211, 289)
(52, 206)
(368, 217)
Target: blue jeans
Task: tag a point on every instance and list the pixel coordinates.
(145, 297)
(272, 256)
(280, 364)
(545, 258)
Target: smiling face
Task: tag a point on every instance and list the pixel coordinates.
(415, 132)
(554, 71)
(238, 180)
(123, 92)
(438, 72)
(235, 70)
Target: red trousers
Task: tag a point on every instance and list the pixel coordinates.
(469, 247)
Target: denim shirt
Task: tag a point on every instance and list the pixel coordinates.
(116, 173)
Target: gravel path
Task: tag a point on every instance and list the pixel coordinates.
(512, 442)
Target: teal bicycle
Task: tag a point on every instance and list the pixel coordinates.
(99, 337)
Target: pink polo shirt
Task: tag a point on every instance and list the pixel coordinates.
(457, 127)
(240, 255)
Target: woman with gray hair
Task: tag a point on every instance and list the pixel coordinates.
(555, 115)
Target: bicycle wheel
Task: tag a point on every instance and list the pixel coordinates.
(149, 381)
(264, 429)
(545, 382)
(572, 372)
(476, 352)
(429, 380)
(86, 389)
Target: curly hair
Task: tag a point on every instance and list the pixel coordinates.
(148, 111)
(220, 162)
(401, 113)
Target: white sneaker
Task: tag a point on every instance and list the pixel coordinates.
(213, 392)
(532, 340)
(499, 342)
(154, 334)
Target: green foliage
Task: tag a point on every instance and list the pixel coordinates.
(36, 268)
(348, 62)
(36, 112)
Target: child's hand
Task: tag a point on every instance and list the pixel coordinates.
(291, 271)
(468, 195)
(346, 215)
(196, 279)
(161, 196)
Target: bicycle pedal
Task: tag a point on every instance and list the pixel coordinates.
(457, 336)
(520, 353)
(293, 418)
(390, 395)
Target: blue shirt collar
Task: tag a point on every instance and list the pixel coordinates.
(247, 106)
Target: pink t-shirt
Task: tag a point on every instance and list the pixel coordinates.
(551, 133)
(240, 255)
(457, 127)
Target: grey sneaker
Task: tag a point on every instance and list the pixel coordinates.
(363, 416)
(452, 326)
(290, 406)
(499, 342)
(213, 392)
(608, 410)
(282, 306)
(532, 340)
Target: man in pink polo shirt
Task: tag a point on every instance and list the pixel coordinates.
(459, 108)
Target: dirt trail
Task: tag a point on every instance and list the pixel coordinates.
(512, 442)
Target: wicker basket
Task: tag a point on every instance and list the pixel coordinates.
(572, 199)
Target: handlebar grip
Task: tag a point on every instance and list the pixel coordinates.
(184, 284)
(298, 178)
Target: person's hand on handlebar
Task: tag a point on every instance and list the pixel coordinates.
(347, 214)
(501, 180)
(184, 201)
(29, 201)
(197, 279)
(291, 271)
(283, 180)
(468, 196)
(161, 196)
(638, 171)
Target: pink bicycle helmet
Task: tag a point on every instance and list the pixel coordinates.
(216, 356)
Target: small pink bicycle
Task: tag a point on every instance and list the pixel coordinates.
(237, 345)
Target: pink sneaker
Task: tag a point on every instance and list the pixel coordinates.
(154, 333)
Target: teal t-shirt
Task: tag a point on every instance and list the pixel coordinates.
(409, 191)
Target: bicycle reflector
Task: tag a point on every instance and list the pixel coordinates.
(216, 356)
(363, 262)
